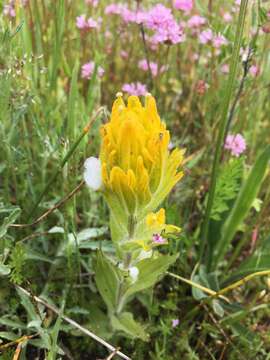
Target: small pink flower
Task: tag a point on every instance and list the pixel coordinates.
(87, 24)
(88, 70)
(236, 144)
(124, 54)
(93, 3)
(227, 17)
(219, 40)
(9, 9)
(81, 22)
(175, 322)
(254, 70)
(153, 67)
(201, 87)
(166, 30)
(205, 36)
(196, 21)
(137, 89)
(225, 68)
(93, 24)
(112, 9)
(158, 239)
(184, 5)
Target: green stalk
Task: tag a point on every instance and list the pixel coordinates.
(223, 123)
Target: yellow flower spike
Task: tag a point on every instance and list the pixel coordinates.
(138, 171)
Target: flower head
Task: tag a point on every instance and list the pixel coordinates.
(158, 239)
(138, 171)
(136, 89)
(196, 21)
(160, 19)
(93, 3)
(88, 70)
(254, 70)
(184, 5)
(175, 322)
(236, 144)
(205, 36)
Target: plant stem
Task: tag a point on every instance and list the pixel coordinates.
(223, 122)
(150, 76)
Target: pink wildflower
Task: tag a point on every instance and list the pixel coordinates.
(236, 144)
(87, 24)
(175, 322)
(124, 54)
(112, 9)
(81, 22)
(9, 9)
(158, 239)
(94, 3)
(196, 21)
(93, 24)
(137, 89)
(225, 68)
(254, 70)
(205, 36)
(227, 17)
(88, 70)
(160, 19)
(184, 5)
(153, 67)
(219, 40)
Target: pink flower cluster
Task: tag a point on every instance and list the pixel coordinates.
(93, 3)
(184, 5)
(88, 69)
(161, 20)
(9, 9)
(236, 144)
(254, 70)
(143, 65)
(196, 21)
(137, 89)
(207, 36)
(127, 15)
(87, 24)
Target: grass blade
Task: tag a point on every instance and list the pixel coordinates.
(243, 203)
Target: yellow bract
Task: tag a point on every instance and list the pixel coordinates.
(138, 171)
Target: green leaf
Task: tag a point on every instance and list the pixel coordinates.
(217, 307)
(228, 185)
(10, 219)
(126, 323)
(243, 203)
(108, 280)
(4, 269)
(150, 272)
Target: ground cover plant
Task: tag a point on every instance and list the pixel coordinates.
(134, 179)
